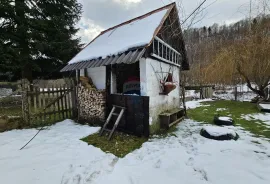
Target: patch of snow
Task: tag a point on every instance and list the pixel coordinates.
(196, 103)
(225, 118)
(135, 34)
(265, 106)
(150, 121)
(58, 156)
(14, 116)
(221, 109)
(244, 87)
(218, 131)
(228, 95)
(53, 152)
(192, 93)
(265, 118)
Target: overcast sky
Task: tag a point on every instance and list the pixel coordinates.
(102, 14)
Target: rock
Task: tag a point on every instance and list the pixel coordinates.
(219, 133)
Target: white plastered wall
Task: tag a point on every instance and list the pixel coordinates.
(150, 86)
(98, 76)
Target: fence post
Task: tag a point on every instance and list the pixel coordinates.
(74, 96)
(235, 93)
(25, 103)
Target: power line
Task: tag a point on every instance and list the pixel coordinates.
(162, 2)
(194, 11)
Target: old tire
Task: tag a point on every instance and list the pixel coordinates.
(222, 122)
(224, 137)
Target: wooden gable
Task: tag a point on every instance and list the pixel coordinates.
(170, 32)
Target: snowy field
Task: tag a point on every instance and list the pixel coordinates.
(57, 156)
(227, 93)
(264, 117)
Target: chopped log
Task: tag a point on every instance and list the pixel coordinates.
(91, 103)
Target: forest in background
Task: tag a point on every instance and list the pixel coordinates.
(230, 54)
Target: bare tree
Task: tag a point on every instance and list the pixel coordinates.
(247, 59)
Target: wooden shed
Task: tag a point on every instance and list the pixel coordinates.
(137, 65)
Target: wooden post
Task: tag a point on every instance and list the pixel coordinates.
(54, 104)
(65, 101)
(235, 93)
(69, 102)
(48, 102)
(25, 104)
(74, 99)
(43, 104)
(62, 102)
(58, 102)
(35, 99)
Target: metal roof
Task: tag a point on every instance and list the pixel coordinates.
(126, 58)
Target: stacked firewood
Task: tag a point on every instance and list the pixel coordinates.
(91, 102)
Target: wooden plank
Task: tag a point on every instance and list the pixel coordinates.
(165, 60)
(39, 99)
(69, 103)
(43, 104)
(48, 101)
(29, 98)
(62, 101)
(146, 128)
(65, 101)
(71, 108)
(75, 109)
(73, 101)
(58, 104)
(177, 121)
(49, 113)
(54, 104)
(45, 92)
(116, 123)
(39, 102)
(35, 100)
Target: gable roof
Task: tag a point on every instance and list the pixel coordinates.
(127, 39)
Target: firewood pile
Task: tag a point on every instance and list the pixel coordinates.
(91, 101)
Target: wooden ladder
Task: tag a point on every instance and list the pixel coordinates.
(104, 128)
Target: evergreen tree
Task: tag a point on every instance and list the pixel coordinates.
(37, 35)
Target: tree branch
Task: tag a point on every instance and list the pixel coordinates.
(194, 12)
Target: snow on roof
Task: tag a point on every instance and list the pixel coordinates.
(136, 33)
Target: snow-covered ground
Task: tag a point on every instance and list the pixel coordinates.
(218, 131)
(196, 103)
(57, 156)
(226, 93)
(246, 96)
(192, 94)
(264, 117)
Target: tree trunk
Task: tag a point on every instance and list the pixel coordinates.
(259, 91)
(22, 30)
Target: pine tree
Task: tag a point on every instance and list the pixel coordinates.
(38, 35)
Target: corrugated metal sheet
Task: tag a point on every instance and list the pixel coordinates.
(126, 58)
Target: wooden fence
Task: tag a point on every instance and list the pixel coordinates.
(50, 104)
